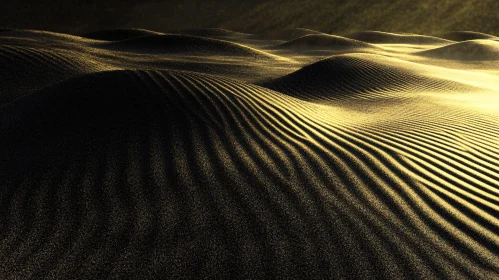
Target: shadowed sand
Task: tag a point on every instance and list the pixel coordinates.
(136, 154)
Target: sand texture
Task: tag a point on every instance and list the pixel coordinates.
(293, 154)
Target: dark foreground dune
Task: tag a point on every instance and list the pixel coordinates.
(132, 154)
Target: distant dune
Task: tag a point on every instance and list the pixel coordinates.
(364, 76)
(467, 50)
(466, 35)
(207, 153)
(322, 42)
(287, 34)
(214, 32)
(393, 38)
(185, 44)
(119, 34)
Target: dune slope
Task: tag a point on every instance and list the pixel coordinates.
(394, 38)
(468, 50)
(359, 76)
(322, 42)
(119, 34)
(185, 44)
(466, 35)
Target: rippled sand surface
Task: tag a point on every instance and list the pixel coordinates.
(133, 154)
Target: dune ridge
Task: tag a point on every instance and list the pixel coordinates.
(214, 32)
(466, 50)
(287, 34)
(359, 76)
(396, 38)
(187, 44)
(364, 166)
(322, 42)
(120, 34)
(466, 35)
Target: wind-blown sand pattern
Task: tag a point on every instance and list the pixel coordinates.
(215, 154)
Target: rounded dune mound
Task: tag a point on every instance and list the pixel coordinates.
(213, 32)
(34, 38)
(86, 105)
(466, 35)
(287, 34)
(379, 37)
(25, 69)
(322, 42)
(91, 105)
(476, 50)
(119, 34)
(365, 76)
(186, 44)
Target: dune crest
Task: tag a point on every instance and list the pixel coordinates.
(214, 32)
(322, 42)
(359, 76)
(467, 50)
(120, 34)
(396, 38)
(466, 35)
(287, 34)
(186, 44)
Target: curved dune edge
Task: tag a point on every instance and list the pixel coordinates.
(468, 50)
(214, 32)
(354, 166)
(321, 42)
(287, 34)
(36, 68)
(187, 44)
(360, 76)
(396, 38)
(466, 35)
(120, 34)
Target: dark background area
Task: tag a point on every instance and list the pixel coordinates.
(333, 16)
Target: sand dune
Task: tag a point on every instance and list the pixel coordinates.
(466, 35)
(186, 44)
(214, 32)
(287, 34)
(39, 67)
(181, 156)
(119, 34)
(322, 42)
(396, 38)
(35, 37)
(467, 50)
(360, 76)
